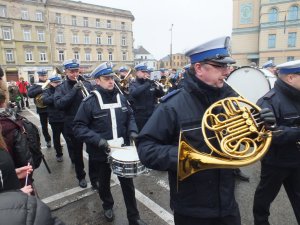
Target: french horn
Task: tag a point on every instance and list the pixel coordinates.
(233, 132)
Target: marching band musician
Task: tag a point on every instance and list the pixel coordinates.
(35, 92)
(281, 165)
(143, 94)
(206, 197)
(67, 97)
(105, 117)
(122, 81)
(269, 65)
(56, 116)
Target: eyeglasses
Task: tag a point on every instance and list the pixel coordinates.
(221, 66)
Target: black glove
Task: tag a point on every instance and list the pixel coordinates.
(268, 117)
(104, 145)
(133, 135)
(78, 86)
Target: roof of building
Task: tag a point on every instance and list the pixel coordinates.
(141, 50)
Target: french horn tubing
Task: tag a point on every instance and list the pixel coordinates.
(234, 134)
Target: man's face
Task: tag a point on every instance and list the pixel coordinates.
(142, 74)
(272, 70)
(123, 74)
(43, 78)
(72, 74)
(294, 80)
(212, 73)
(106, 82)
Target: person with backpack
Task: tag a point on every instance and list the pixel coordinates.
(35, 92)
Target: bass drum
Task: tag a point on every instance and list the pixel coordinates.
(270, 77)
(249, 82)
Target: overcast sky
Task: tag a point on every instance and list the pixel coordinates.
(194, 22)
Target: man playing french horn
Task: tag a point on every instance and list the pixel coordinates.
(203, 197)
(35, 91)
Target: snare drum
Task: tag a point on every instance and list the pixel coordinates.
(125, 162)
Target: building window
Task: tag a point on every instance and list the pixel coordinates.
(110, 56)
(123, 42)
(6, 33)
(41, 35)
(9, 55)
(145, 57)
(3, 11)
(273, 15)
(76, 55)
(43, 56)
(58, 18)
(87, 56)
(98, 40)
(86, 39)
(272, 41)
(85, 21)
(293, 13)
(292, 39)
(290, 58)
(108, 25)
(99, 56)
(123, 25)
(98, 23)
(109, 40)
(74, 21)
(75, 39)
(271, 58)
(39, 16)
(60, 37)
(124, 56)
(24, 15)
(28, 56)
(61, 55)
(27, 35)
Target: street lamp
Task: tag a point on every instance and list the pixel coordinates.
(171, 29)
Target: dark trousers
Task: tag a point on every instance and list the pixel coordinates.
(271, 180)
(75, 148)
(127, 186)
(226, 220)
(57, 130)
(44, 124)
(24, 99)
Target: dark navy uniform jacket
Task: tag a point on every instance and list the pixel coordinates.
(55, 115)
(209, 193)
(34, 91)
(93, 123)
(284, 101)
(143, 95)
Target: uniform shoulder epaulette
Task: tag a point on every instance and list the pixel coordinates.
(269, 95)
(169, 95)
(88, 97)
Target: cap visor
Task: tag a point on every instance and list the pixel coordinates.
(226, 60)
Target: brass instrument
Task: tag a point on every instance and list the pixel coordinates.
(165, 87)
(84, 91)
(38, 99)
(234, 134)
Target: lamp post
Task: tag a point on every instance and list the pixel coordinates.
(171, 46)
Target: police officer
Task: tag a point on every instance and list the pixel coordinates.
(56, 116)
(270, 66)
(34, 91)
(281, 164)
(68, 97)
(143, 94)
(106, 117)
(206, 197)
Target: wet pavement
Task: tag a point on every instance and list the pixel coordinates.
(78, 206)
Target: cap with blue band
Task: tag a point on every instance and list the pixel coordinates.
(104, 69)
(292, 67)
(71, 64)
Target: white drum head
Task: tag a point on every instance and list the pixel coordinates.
(249, 82)
(127, 153)
(270, 77)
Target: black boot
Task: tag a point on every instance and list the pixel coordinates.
(240, 175)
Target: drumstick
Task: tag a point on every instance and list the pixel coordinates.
(26, 180)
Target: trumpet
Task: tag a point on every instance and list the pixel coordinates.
(165, 87)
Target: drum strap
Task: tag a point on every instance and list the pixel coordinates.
(112, 108)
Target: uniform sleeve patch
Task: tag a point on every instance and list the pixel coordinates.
(169, 95)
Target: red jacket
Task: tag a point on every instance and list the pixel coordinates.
(22, 86)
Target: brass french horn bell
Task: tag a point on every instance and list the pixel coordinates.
(234, 134)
